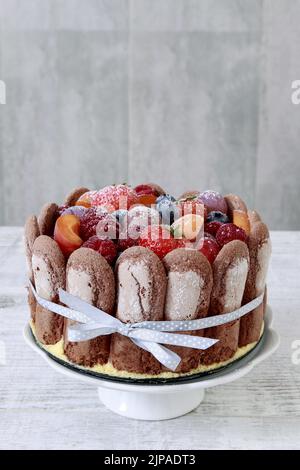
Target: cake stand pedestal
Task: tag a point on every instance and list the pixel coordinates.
(148, 401)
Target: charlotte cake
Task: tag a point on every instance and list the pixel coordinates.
(101, 248)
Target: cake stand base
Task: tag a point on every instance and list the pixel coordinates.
(149, 406)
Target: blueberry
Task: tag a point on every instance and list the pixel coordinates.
(217, 216)
(120, 215)
(167, 208)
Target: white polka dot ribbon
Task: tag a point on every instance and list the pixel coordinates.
(149, 335)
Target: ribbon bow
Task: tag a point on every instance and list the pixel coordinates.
(148, 335)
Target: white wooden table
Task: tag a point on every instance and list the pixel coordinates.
(40, 409)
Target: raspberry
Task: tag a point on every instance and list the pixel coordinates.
(159, 239)
(97, 220)
(212, 227)
(229, 232)
(210, 249)
(106, 248)
(116, 197)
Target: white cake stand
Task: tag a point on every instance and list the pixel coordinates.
(164, 401)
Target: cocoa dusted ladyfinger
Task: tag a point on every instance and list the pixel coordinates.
(230, 270)
(47, 218)
(74, 195)
(189, 287)
(253, 217)
(90, 278)
(31, 232)
(141, 289)
(259, 245)
(234, 203)
(49, 271)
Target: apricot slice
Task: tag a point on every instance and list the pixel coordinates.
(188, 226)
(241, 219)
(66, 233)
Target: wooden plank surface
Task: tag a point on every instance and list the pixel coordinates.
(42, 409)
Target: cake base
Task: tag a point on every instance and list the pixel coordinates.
(109, 372)
(160, 399)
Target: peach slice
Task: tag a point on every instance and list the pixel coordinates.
(66, 233)
(188, 226)
(241, 219)
(84, 203)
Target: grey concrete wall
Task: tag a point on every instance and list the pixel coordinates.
(188, 93)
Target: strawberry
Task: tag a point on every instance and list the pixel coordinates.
(159, 239)
(116, 197)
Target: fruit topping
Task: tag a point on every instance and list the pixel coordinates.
(121, 215)
(158, 189)
(229, 232)
(188, 226)
(75, 210)
(167, 208)
(212, 227)
(106, 248)
(97, 221)
(66, 233)
(192, 205)
(241, 219)
(146, 194)
(85, 199)
(189, 194)
(217, 216)
(210, 248)
(116, 197)
(159, 239)
(213, 201)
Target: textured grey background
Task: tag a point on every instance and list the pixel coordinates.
(187, 93)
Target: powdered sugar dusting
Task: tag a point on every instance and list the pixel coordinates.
(134, 292)
(42, 278)
(183, 295)
(235, 282)
(79, 283)
(263, 257)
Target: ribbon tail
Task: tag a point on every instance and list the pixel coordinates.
(76, 334)
(164, 355)
(188, 341)
(94, 314)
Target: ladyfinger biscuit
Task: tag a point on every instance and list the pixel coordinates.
(47, 218)
(31, 232)
(253, 217)
(234, 203)
(141, 290)
(259, 245)
(49, 271)
(74, 195)
(230, 270)
(90, 278)
(189, 287)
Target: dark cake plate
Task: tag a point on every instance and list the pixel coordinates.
(158, 398)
